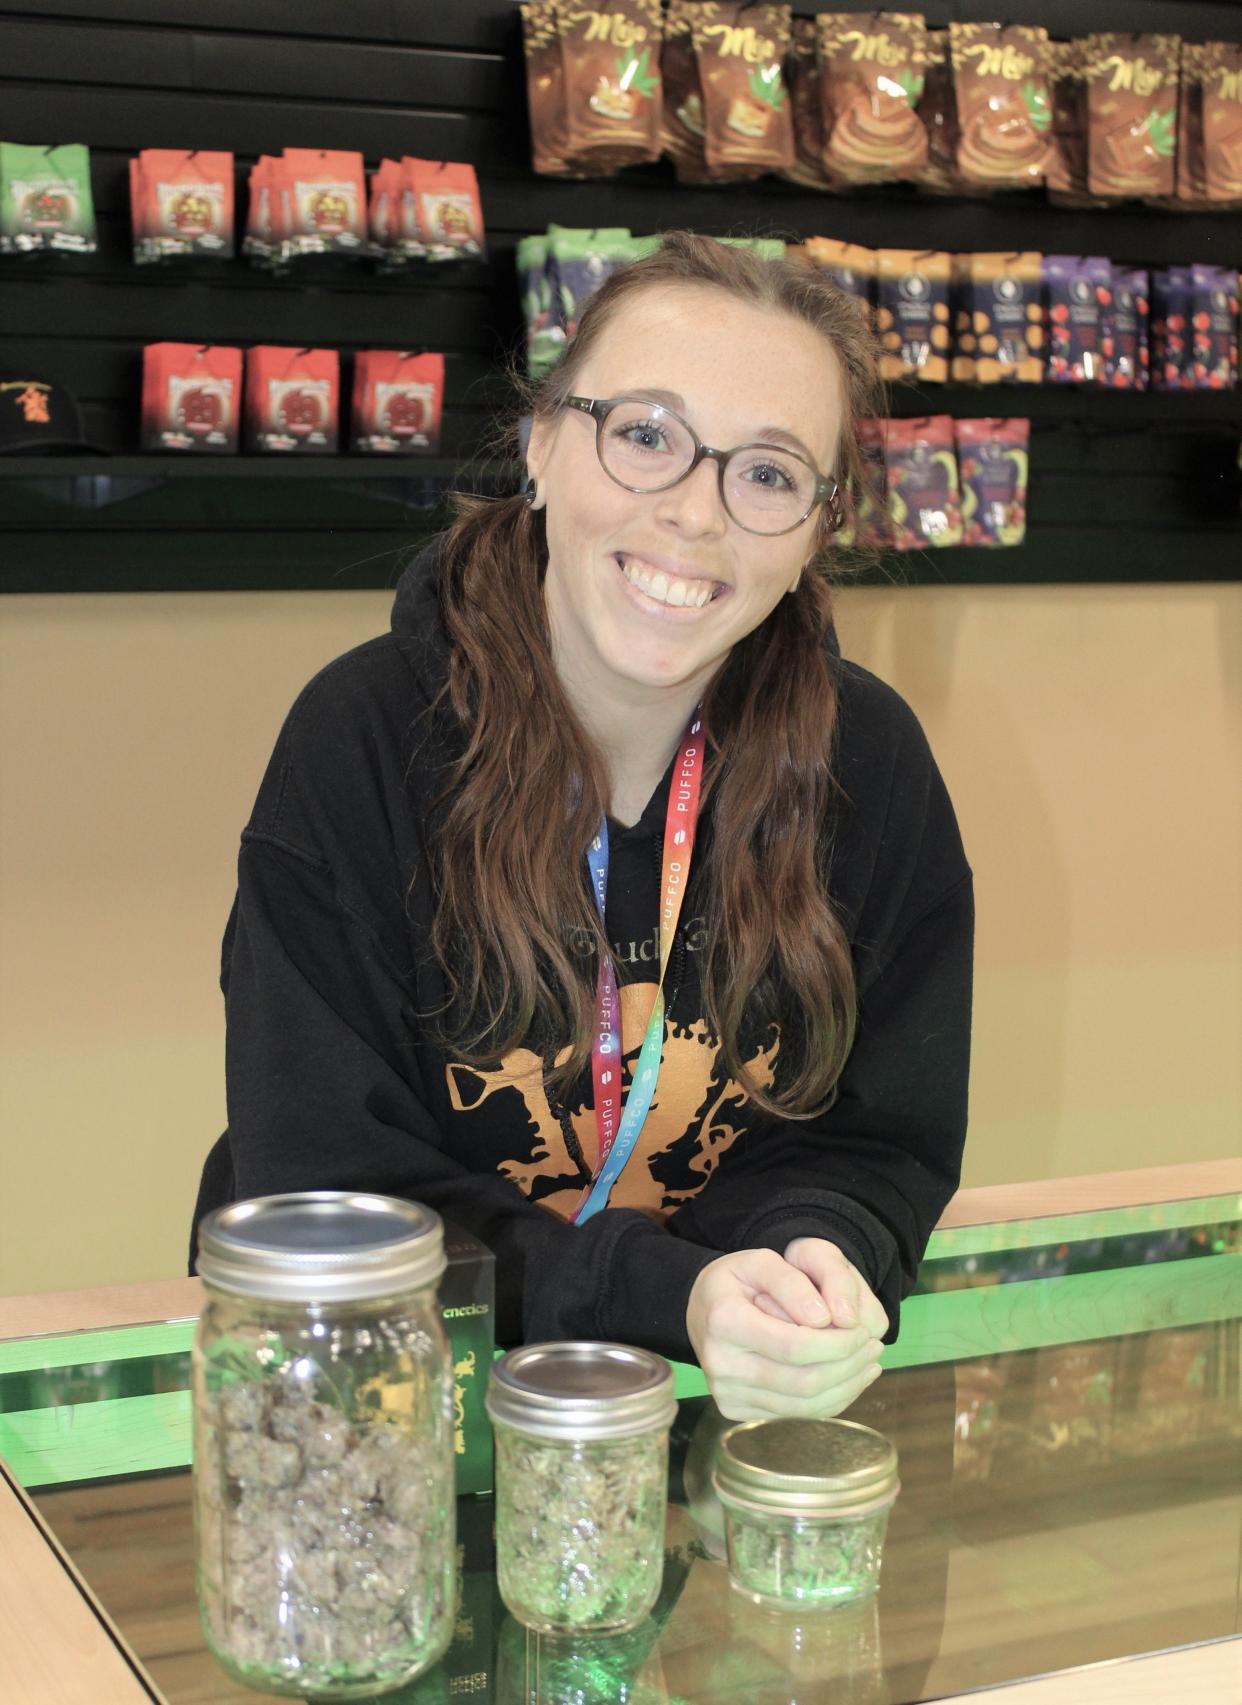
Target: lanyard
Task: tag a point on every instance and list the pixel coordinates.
(617, 1136)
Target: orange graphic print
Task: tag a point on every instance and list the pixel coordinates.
(33, 404)
(695, 1117)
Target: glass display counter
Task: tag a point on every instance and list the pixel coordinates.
(1065, 1399)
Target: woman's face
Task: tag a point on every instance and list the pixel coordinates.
(738, 374)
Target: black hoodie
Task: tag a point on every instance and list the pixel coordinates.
(334, 1082)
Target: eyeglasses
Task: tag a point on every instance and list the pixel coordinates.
(646, 447)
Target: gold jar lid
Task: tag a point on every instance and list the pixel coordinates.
(805, 1467)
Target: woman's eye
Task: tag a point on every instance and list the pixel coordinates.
(643, 435)
(767, 473)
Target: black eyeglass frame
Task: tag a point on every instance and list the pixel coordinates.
(827, 491)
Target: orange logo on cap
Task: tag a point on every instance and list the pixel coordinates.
(33, 404)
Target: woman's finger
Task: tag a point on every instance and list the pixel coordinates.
(760, 1374)
(739, 1322)
(741, 1402)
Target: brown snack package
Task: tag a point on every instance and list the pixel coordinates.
(1066, 172)
(545, 88)
(999, 322)
(611, 63)
(747, 119)
(1131, 114)
(1190, 189)
(681, 122)
(912, 313)
(937, 113)
(802, 78)
(1004, 112)
(871, 80)
(1222, 121)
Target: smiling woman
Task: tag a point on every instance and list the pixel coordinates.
(602, 905)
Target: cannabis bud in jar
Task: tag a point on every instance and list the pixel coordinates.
(323, 1451)
(806, 1508)
(581, 1483)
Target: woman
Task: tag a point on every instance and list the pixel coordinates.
(607, 783)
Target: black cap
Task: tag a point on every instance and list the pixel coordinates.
(36, 415)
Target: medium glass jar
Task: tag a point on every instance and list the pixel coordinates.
(581, 1483)
(324, 1507)
(806, 1508)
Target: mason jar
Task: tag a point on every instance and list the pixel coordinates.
(324, 1508)
(581, 1434)
(806, 1508)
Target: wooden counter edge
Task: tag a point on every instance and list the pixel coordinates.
(1210, 1674)
(177, 1299)
(57, 1645)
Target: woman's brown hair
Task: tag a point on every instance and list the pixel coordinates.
(528, 793)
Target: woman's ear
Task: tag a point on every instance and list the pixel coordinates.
(536, 459)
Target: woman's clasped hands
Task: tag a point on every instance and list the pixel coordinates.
(797, 1334)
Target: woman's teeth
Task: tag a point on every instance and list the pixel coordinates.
(656, 584)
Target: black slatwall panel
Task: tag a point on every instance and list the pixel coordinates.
(1123, 487)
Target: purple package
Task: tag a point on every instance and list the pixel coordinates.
(1077, 290)
(1170, 344)
(1211, 329)
(1123, 340)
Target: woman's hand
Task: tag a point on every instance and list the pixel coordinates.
(766, 1339)
(848, 1296)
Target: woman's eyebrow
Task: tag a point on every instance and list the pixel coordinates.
(771, 434)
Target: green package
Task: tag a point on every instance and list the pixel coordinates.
(767, 248)
(45, 199)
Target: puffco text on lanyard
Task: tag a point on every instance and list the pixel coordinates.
(618, 1137)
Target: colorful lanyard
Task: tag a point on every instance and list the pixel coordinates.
(616, 1140)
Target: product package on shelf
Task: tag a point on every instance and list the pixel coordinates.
(181, 203)
(1066, 173)
(993, 465)
(937, 113)
(1077, 291)
(191, 397)
(871, 83)
(424, 210)
(802, 82)
(45, 200)
(1209, 126)
(912, 314)
(868, 526)
(1194, 328)
(1131, 114)
(545, 88)
(292, 400)
(1123, 340)
(611, 84)
(747, 116)
(306, 201)
(924, 501)
(1004, 113)
(681, 120)
(850, 266)
(397, 403)
(998, 318)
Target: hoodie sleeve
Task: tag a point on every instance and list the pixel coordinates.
(874, 1172)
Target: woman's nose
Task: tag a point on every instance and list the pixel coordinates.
(694, 505)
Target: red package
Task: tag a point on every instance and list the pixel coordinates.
(263, 230)
(447, 207)
(382, 207)
(191, 397)
(292, 400)
(868, 527)
(924, 504)
(181, 204)
(398, 398)
(327, 202)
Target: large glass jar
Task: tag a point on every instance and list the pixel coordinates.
(806, 1508)
(581, 1483)
(323, 1446)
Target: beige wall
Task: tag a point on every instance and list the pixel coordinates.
(1090, 739)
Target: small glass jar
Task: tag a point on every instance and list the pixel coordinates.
(581, 1483)
(324, 1507)
(806, 1508)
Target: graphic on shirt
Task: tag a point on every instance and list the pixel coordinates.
(696, 1116)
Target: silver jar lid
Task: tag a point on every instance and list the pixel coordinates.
(581, 1390)
(321, 1246)
(805, 1467)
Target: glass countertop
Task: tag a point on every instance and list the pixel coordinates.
(1066, 1403)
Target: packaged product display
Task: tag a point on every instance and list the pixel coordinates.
(924, 501)
(292, 400)
(871, 81)
(1194, 328)
(912, 313)
(850, 266)
(545, 88)
(802, 81)
(1124, 333)
(610, 83)
(323, 1452)
(1221, 117)
(191, 397)
(868, 528)
(992, 460)
(747, 116)
(1077, 290)
(806, 1508)
(1004, 112)
(181, 203)
(998, 319)
(937, 113)
(581, 1434)
(424, 210)
(1131, 114)
(307, 201)
(45, 200)
(681, 120)
(1066, 172)
(398, 400)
